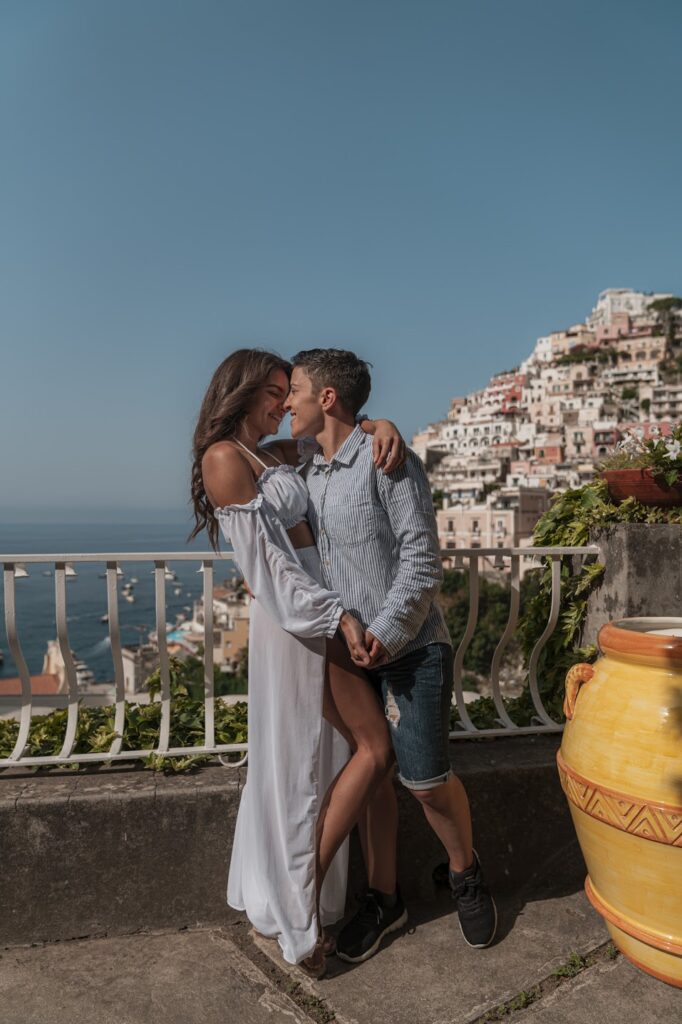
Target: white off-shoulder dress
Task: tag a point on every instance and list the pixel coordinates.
(294, 753)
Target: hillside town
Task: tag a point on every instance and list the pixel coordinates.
(501, 452)
(494, 463)
(186, 639)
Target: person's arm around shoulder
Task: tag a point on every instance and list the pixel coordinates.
(388, 446)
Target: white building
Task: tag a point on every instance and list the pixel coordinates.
(666, 403)
(613, 301)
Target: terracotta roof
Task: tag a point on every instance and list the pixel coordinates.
(46, 683)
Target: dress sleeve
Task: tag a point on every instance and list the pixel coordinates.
(275, 577)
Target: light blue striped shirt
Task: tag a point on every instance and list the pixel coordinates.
(378, 543)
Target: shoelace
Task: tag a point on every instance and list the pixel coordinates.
(469, 891)
(370, 911)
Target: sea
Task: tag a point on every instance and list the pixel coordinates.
(86, 592)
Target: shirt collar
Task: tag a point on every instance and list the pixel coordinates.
(347, 452)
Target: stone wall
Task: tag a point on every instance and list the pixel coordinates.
(643, 574)
(118, 850)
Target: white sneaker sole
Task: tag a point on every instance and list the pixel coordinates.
(394, 927)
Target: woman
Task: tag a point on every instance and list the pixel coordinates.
(307, 702)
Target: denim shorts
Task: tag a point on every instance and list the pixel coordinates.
(417, 693)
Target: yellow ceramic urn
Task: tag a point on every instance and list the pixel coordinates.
(621, 769)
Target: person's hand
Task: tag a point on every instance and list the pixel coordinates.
(354, 635)
(389, 451)
(378, 655)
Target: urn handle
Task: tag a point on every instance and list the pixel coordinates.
(575, 677)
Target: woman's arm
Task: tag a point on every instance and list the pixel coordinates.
(388, 447)
(389, 450)
(264, 553)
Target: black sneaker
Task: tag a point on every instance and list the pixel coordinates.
(475, 906)
(361, 937)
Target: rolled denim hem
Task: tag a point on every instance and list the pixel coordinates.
(427, 783)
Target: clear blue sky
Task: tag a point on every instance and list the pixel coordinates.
(432, 183)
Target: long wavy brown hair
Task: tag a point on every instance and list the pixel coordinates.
(225, 404)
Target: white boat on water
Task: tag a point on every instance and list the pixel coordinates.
(104, 618)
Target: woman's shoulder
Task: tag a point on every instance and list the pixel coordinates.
(222, 455)
(227, 476)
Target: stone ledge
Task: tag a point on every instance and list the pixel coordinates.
(115, 851)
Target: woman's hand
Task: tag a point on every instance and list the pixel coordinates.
(354, 635)
(389, 450)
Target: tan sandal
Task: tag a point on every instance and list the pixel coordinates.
(315, 965)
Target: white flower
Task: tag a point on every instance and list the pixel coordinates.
(639, 432)
(673, 449)
(630, 445)
(655, 431)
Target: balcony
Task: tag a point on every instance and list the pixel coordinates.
(17, 567)
(130, 865)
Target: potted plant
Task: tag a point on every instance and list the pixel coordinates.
(648, 469)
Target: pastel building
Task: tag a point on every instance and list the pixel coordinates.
(505, 519)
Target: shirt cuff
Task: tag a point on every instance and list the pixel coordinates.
(334, 621)
(391, 635)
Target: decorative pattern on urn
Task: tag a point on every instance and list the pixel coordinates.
(661, 823)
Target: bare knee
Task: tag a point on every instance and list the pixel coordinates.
(380, 754)
(434, 796)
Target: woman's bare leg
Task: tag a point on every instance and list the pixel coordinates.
(378, 828)
(350, 705)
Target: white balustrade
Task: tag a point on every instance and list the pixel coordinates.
(469, 560)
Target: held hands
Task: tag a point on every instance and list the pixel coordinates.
(378, 655)
(354, 635)
(366, 650)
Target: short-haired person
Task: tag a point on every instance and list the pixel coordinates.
(378, 545)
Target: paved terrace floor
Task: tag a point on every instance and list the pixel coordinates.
(552, 964)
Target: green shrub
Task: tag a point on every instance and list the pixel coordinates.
(96, 731)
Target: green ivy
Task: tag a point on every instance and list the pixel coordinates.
(573, 515)
(96, 733)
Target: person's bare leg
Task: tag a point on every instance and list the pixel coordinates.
(351, 706)
(378, 828)
(447, 811)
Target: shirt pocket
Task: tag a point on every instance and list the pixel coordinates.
(353, 523)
